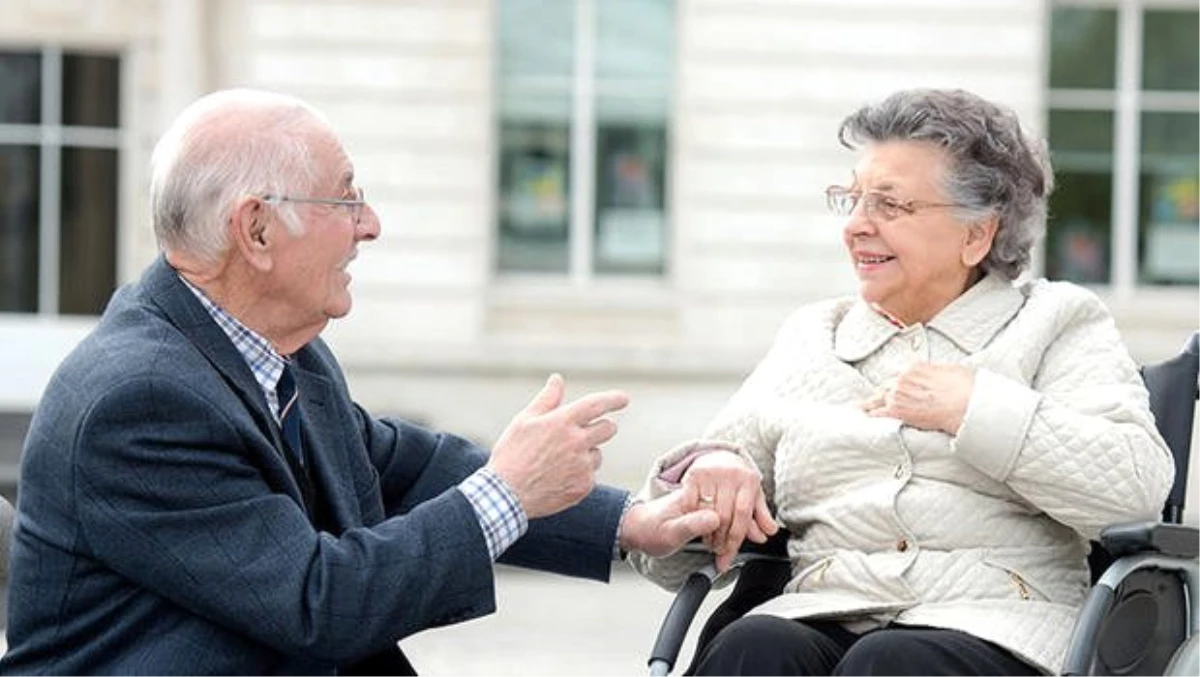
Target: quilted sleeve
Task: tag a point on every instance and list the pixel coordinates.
(1079, 443)
(742, 424)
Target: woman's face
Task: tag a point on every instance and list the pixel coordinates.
(912, 256)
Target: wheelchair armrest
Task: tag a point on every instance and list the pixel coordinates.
(774, 548)
(1186, 660)
(1107, 595)
(1175, 540)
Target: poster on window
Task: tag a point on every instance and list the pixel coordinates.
(630, 221)
(1173, 233)
(536, 203)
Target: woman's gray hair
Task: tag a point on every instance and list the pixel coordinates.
(994, 168)
(220, 149)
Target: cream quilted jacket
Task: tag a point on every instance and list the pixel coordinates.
(986, 531)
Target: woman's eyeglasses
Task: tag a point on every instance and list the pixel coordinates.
(876, 206)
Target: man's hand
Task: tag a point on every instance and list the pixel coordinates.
(664, 525)
(725, 483)
(550, 451)
(927, 396)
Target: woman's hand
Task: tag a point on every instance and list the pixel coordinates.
(927, 396)
(733, 488)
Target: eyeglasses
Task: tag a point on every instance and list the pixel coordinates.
(353, 206)
(876, 206)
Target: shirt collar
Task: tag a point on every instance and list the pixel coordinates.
(970, 321)
(264, 361)
(973, 319)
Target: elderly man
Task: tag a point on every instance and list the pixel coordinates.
(199, 493)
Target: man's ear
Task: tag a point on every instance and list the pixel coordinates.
(978, 241)
(251, 233)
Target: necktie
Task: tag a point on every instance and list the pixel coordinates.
(290, 417)
(289, 413)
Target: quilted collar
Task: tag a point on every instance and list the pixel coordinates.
(970, 321)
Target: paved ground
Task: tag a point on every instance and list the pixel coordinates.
(551, 625)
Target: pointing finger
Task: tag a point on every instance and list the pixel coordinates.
(595, 405)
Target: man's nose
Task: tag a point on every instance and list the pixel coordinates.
(368, 225)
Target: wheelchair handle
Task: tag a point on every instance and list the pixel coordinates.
(679, 618)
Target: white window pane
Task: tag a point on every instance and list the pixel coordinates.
(536, 38)
(635, 41)
(519, 104)
(1079, 229)
(1083, 47)
(534, 208)
(629, 109)
(631, 66)
(630, 214)
(1169, 223)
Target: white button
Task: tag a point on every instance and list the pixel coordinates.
(899, 471)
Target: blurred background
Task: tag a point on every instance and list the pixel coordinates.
(628, 192)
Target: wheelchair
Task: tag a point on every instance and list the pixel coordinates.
(1141, 615)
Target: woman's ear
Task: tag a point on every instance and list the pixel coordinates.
(250, 232)
(978, 241)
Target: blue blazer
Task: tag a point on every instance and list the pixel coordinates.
(160, 530)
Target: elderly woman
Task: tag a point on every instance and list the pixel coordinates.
(943, 445)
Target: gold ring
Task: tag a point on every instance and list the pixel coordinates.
(707, 500)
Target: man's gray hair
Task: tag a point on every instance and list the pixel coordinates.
(222, 148)
(994, 168)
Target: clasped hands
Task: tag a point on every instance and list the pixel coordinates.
(723, 483)
(550, 451)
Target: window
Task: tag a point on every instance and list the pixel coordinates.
(59, 139)
(1124, 131)
(584, 90)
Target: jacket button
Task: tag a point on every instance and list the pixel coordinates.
(902, 544)
(899, 471)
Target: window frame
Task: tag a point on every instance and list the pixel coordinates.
(1127, 101)
(51, 136)
(582, 149)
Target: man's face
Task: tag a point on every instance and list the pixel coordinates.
(311, 276)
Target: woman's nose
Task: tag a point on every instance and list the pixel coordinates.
(857, 222)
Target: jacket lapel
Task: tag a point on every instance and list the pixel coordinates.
(326, 439)
(323, 432)
(164, 288)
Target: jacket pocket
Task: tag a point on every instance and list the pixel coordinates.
(1018, 583)
(811, 575)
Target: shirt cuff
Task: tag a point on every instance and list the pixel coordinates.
(618, 553)
(501, 517)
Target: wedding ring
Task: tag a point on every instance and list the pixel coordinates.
(707, 500)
